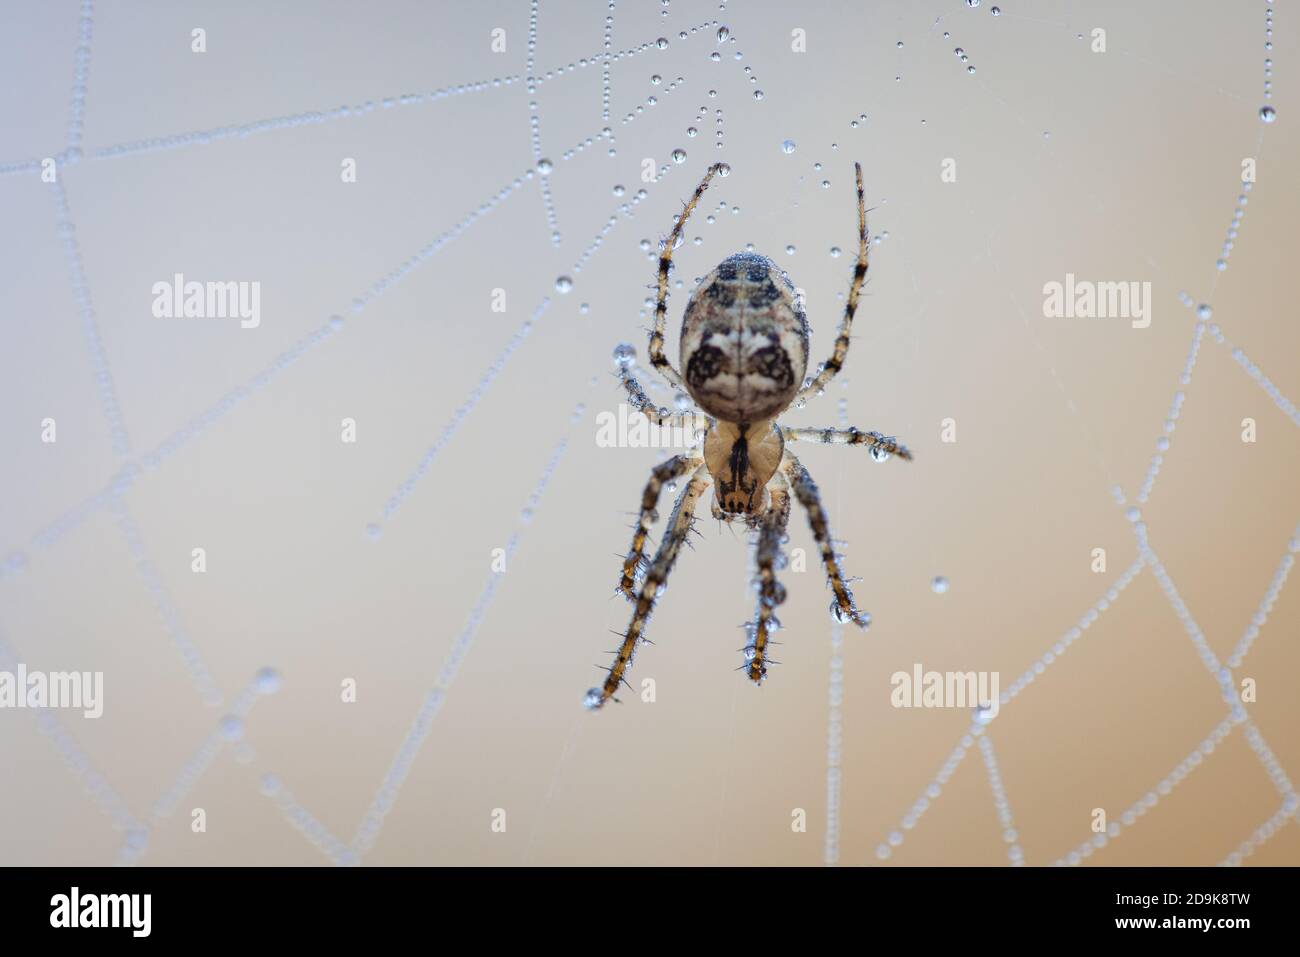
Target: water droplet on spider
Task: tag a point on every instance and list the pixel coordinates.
(939, 585)
(758, 95)
(679, 155)
(592, 699)
(267, 681)
(662, 43)
(724, 170)
(670, 486)
(778, 594)
(232, 727)
(656, 79)
(624, 355)
(838, 614)
(879, 454)
(544, 166)
(723, 33)
(787, 146)
(563, 284)
(682, 401)
(1267, 114)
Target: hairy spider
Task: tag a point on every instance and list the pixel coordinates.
(744, 348)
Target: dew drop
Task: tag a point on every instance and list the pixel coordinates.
(838, 614)
(662, 43)
(790, 250)
(544, 166)
(758, 95)
(679, 155)
(232, 727)
(1267, 114)
(267, 681)
(1203, 311)
(624, 355)
(939, 585)
(723, 33)
(692, 132)
(835, 252)
(563, 284)
(724, 170)
(656, 79)
(787, 146)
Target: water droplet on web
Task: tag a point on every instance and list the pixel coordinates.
(940, 585)
(1133, 513)
(563, 284)
(268, 681)
(972, 3)
(232, 727)
(618, 189)
(656, 79)
(715, 56)
(758, 95)
(373, 531)
(996, 11)
(1267, 114)
(544, 166)
(679, 156)
(982, 715)
(723, 33)
(835, 252)
(624, 355)
(724, 170)
(787, 146)
(1203, 311)
(662, 43)
(692, 132)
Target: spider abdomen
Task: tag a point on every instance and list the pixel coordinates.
(744, 348)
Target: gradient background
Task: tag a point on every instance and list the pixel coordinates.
(1136, 181)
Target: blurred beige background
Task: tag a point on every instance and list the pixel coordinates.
(1122, 165)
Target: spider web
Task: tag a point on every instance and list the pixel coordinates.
(698, 26)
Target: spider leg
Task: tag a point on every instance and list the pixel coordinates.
(881, 446)
(771, 592)
(663, 472)
(657, 357)
(679, 526)
(688, 422)
(841, 350)
(805, 490)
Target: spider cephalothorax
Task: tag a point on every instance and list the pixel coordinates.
(744, 350)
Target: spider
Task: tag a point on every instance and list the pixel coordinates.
(744, 349)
